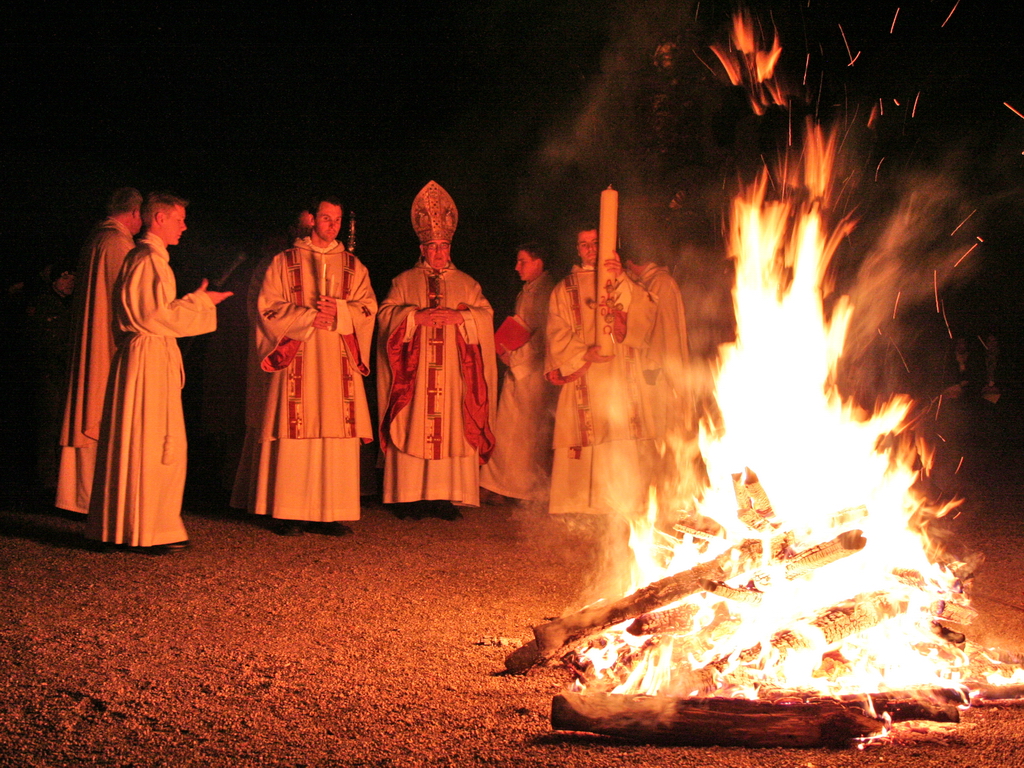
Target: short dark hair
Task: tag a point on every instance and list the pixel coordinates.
(124, 200)
(331, 199)
(536, 250)
(160, 201)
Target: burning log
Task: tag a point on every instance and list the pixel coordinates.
(950, 636)
(956, 613)
(707, 722)
(755, 509)
(984, 693)
(554, 635)
(939, 705)
(826, 628)
(678, 619)
(841, 546)
(749, 596)
(742, 558)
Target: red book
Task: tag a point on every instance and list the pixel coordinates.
(511, 335)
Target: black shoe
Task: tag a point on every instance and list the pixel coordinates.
(103, 547)
(407, 510)
(333, 529)
(289, 527)
(446, 511)
(162, 549)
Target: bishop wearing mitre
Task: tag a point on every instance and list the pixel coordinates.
(437, 377)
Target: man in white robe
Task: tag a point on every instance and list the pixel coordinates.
(679, 470)
(520, 467)
(436, 372)
(92, 339)
(142, 452)
(604, 435)
(307, 412)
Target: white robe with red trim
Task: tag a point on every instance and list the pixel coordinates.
(142, 452)
(604, 447)
(433, 446)
(307, 412)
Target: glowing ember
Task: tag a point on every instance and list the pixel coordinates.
(747, 65)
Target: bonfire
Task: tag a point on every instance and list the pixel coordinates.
(800, 601)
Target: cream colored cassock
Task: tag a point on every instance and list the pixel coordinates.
(307, 412)
(676, 474)
(669, 352)
(427, 454)
(520, 466)
(140, 472)
(93, 334)
(604, 447)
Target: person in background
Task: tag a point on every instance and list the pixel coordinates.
(520, 467)
(667, 373)
(93, 344)
(49, 324)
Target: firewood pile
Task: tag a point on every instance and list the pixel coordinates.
(682, 637)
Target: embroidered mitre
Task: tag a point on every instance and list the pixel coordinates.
(434, 215)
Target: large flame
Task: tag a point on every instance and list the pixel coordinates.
(828, 478)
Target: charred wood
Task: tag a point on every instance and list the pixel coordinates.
(939, 705)
(555, 634)
(841, 546)
(678, 619)
(750, 596)
(708, 722)
(984, 693)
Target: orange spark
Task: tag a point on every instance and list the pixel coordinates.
(894, 21)
(935, 286)
(914, 110)
(895, 306)
(847, 44)
(964, 256)
(1016, 112)
(963, 222)
(951, 12)
(877, 167)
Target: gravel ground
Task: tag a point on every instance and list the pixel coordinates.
(382, 648)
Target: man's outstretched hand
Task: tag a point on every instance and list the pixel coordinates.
(215, 296)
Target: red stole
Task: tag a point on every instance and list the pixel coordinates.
(287, 355)
(404, 360)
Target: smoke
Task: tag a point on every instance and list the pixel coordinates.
(912, 256)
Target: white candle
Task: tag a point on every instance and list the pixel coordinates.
(607, 243)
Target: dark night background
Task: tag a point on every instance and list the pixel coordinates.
(523, 110)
